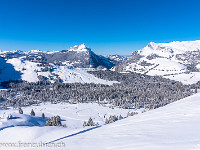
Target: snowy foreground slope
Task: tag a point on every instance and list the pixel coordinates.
(26, 128)
(175, 126)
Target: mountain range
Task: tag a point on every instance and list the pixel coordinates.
(176, 60)
(78, 56)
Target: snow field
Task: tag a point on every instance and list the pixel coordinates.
(30, 72)
(175, 126)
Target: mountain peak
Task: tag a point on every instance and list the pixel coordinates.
(82, 46)
(79, 48)
(151, 45)
(168, 49)
(35, 51)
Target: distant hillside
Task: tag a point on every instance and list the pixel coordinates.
(78, 56)
(176, 60)
(66, 66)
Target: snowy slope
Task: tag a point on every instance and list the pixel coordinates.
(8, 72)
(27, 68)
(174, 60)
(175, 126)
(170, 49)
(189, 78)
(72, 114)
(80, 75)
(26, 128)
(116, 59)
(31, 70)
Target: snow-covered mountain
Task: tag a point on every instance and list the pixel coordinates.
(18, 68)
(116, 59)
(176, 60)
(68, 66)
(78, 56)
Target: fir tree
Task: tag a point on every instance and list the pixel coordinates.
(9, 117)
(20, 111)
(32, 113)
(54, 121)
(84, 124)
(90, 122)
(120, 117)
(43, 116)
(107, 121)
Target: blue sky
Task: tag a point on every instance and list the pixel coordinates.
(106, 26)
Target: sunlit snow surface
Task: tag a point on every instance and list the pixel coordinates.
(175, 126)
(169, 49)
(166, 63)
(30, 72)
(78, 75)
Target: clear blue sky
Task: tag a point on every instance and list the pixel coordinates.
(107, 26)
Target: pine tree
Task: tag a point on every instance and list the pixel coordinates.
(195, 90)
(54, 121)
(43, 116)
(20, 111)
(111, 119)
(32, 113)
(84, 124)
(58, 121)
(107, 121)
(9, 117)
(120, 117)
(90, 122)
(48, 122)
